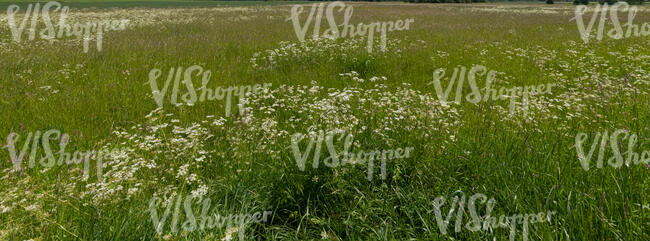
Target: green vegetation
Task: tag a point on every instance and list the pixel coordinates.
(525, 159)
(77, 4)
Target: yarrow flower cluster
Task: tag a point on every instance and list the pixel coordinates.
(599, 85)
(354, 76)
(148, 145)
(319, 49)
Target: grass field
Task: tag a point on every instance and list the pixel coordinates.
(80, 4)
(525, 158)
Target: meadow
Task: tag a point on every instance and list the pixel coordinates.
(524, 156)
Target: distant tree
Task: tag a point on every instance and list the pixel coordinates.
(635, 2)
(580, 2)
(549, 2)
(609, 2)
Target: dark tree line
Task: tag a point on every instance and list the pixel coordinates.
(576, 2)
(609, 2)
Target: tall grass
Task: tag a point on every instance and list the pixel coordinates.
(526, 163)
